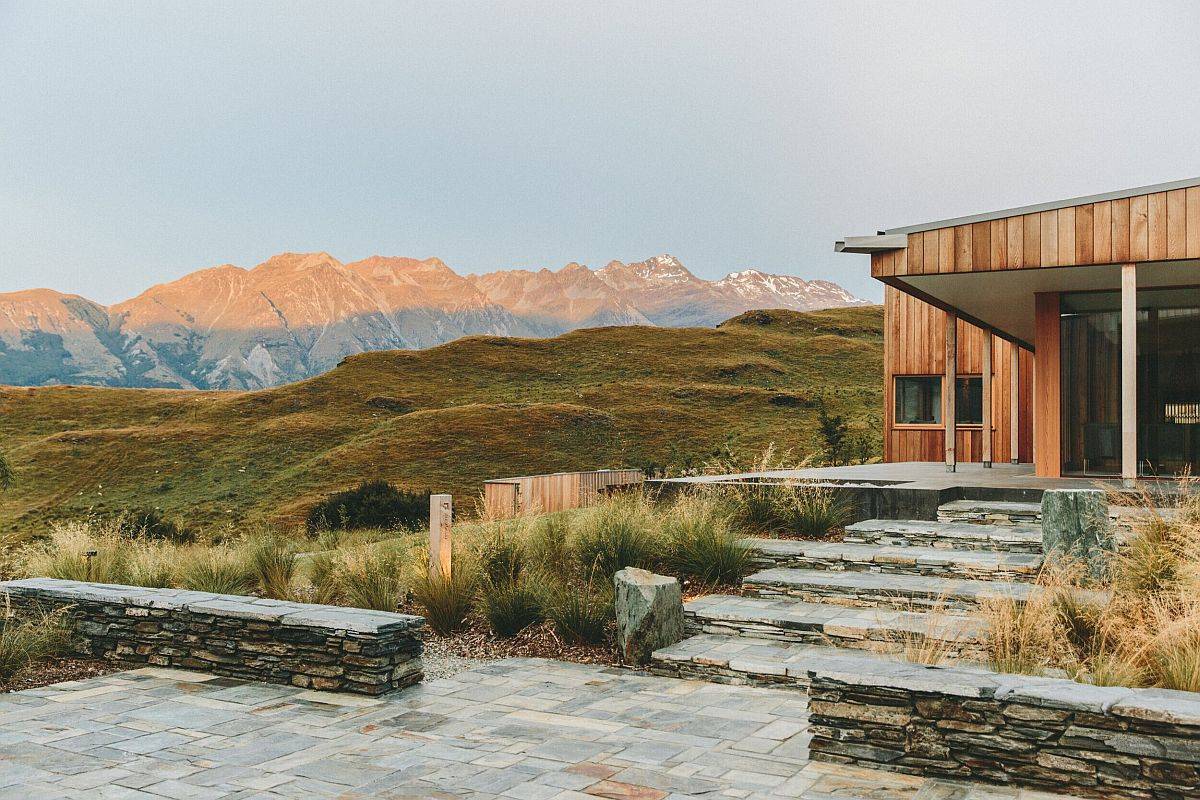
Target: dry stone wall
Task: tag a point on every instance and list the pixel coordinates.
(318, 647)
(1050, 734)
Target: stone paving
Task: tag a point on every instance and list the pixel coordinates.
(525, 729)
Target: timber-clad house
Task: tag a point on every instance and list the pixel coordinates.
(1064, 334)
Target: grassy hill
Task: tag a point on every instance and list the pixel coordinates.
(444, 419)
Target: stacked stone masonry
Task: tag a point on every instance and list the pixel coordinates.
(1044, 733)
(313, 646)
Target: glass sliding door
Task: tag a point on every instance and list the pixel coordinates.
(1168, 382)
(1091, 383)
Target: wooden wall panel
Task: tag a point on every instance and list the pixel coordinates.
(914, 344)
(1047, 435)
(1147, 227)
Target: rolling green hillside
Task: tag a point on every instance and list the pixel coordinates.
(444, 419)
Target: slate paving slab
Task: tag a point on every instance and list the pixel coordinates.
(521, 729)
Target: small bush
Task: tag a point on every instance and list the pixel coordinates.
(810, 510)
(581, 614)
(23, 642)
(446, 602)
(323, 584)
(151, 565)
(616, 534)
(372, 504)
(149, 524)
(83, 550)
(219, 570)
(512, 606)
(700, 543)
(371, 577)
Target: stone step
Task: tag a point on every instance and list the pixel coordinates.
(991, 512)
(948, 535)
(878, 630)
(736, 660)
(872, 589)
(896, 559)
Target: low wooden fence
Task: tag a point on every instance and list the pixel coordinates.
(507, 497)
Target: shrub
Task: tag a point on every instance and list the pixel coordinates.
(371, 577)
(219, 570)
(808, 509)
(7, 476)
(700, 543)
(150, 524)
(372, 504)
(581, 614)
(151, 565)
(23, 642)
(446, 601)
(512, 606)
(616, 534)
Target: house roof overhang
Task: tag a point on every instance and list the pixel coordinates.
(1000, 299)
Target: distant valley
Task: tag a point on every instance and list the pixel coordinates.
(298, 315)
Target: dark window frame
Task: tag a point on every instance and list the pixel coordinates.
(934, 382)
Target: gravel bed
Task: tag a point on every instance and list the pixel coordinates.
(58, 670)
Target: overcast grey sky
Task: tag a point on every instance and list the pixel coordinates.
(142, 140)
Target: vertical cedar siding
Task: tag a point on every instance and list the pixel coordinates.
(1066, 237)
(1120, 230)
(1156, 226)
(1139, 228)
(1177, 224)
(1084, 238)
(1102, 232)
(1193, 222)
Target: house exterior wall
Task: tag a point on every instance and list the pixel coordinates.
(1160, 226)
(914, 344)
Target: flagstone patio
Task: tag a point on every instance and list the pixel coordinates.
(526, 729)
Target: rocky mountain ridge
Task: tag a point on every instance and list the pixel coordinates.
(298, 314)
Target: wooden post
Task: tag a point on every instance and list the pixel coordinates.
(987, 399)
(951, 384)
(1129, 454)
(441, 514)
(1014, 407)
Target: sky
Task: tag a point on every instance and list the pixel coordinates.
(142, 140)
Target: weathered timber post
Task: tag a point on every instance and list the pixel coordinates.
(441, 517)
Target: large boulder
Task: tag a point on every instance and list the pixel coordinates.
(649, 613)
(1075, 527)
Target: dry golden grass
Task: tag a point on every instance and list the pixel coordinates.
(477, 408)
(1141, 627)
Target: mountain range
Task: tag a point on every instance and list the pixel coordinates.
(298, 314)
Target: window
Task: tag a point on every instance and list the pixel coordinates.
(918, 400)
(968, 401)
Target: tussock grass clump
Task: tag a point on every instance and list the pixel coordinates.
(370, 577)
(810, 510)
(512, 606)
(446, 602)
(581, 614)
(701, 542)
(24, 641)
(273, 561)
(619, 533)
(219, 569)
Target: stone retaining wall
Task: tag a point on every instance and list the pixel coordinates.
(1049, 734)
(318, 647)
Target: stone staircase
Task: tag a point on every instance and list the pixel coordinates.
(888, 587)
